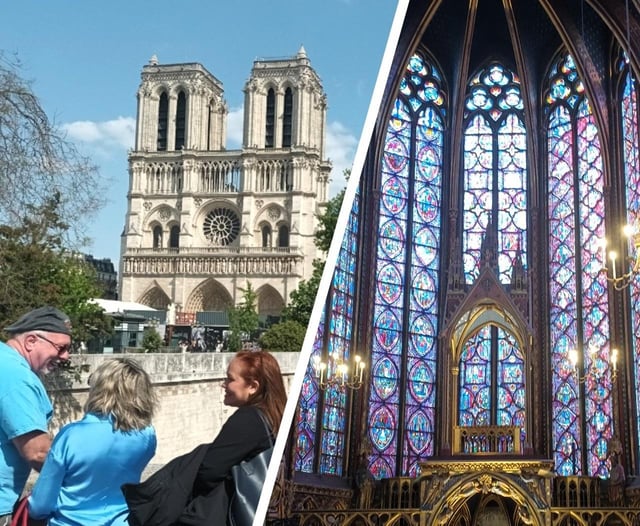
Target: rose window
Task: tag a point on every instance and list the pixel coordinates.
(221, 226)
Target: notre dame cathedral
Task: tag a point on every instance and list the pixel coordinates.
(203, 221)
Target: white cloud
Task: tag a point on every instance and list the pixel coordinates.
(103, 136)
(341, 146)
(235, 122)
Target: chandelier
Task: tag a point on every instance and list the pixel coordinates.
(632, 266)
(597, 366)
(338, 373)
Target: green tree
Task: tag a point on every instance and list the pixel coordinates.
(36, 159)
(243, 319)
(302, 299)
(151, 340)
(36, 270)
(286, 336)
(327, 222)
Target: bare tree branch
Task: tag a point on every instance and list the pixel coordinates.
(37, 160)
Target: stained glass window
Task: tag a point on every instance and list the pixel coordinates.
(495, 172)
(492, 387)
(629, 112)
(333, 345)
(579, 315)
(405, 325)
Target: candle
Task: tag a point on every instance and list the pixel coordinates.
(613, 256)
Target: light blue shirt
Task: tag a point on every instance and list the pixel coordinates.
(24, 407)
(81, 478)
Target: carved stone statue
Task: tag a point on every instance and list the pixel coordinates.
(617, 481)
(364, 482)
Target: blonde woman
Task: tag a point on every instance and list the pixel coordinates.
(90, 459)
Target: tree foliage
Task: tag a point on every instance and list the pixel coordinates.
(37, 160)
(302, 299)
(327, 222)
(286, 336)
(243, 319)
(151, 340)
(36, 270)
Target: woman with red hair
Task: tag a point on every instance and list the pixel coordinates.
(254, 385)
(196, 489)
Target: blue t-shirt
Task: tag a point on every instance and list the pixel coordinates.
(24, 407)
(81, 478)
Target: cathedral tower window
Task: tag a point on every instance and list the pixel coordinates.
(283, 236)
(266, 236)
(174, 237)
(287, 118)
(157, 237)
(163, 118)
(181, 119)
(270, 119)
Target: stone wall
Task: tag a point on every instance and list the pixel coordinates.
(188, 385)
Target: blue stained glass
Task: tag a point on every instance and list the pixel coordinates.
(421, 105)
(382, 427)
(629, 125)
(419, 432)
(385, 377)
(574, 136)
(421, 382)
(396, 156)
(394, 197)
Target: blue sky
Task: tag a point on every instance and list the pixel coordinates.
(85, 59)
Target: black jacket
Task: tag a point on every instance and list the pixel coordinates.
(195, 487)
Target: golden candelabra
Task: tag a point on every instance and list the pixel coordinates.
(623, 280)
(337, 373)
(593, 373)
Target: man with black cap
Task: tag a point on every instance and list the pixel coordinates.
(39, 340)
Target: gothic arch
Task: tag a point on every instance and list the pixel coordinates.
(487, 305)
(270, 302)
(284, 232)
(453, 501)
(162, 214)
(271, 213)
(155, 297)
(265, 233)
(210, 295)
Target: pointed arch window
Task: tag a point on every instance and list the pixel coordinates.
(266, 236)
(174, 237)
(323, 415)
(157, 237)
(495, 173)
(401, 415)
(270, 119)
(163, 119)
(181, 120)
(287, 118)
(630, 125)
(283, 236)
(492, 387)
(579, 309)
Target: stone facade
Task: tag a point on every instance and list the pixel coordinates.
(202, 221)
(189, 387)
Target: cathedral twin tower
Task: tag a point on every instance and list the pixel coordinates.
(203, 221)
